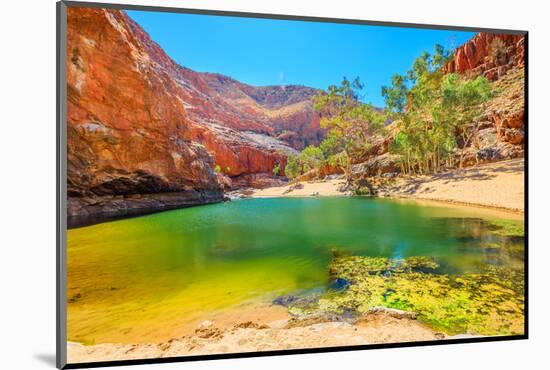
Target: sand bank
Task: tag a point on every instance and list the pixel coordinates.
(304, 189)
(250, 336)
(498, 185)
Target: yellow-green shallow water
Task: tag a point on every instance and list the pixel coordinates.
(148, 279)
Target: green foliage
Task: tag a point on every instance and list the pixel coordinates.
(431, 110)
(396, 95)
(333, 150)
(441, 56)
(277, 169)
(339, 160)
(217, 169)
(310, 158)
(292, 169)
(462, 103)
(349, 122)
(462, 97)
(331, 145)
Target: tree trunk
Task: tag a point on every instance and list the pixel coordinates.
(348, 170)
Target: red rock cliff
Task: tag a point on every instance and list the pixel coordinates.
(500, 58)
(138, 123)
(488, 54)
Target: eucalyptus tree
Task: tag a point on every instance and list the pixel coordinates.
(431, 110)
(350, 123)
(463, 102)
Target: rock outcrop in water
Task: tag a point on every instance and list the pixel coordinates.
(145, 133)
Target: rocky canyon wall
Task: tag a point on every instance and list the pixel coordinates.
(145, 133)
(488, 54)
(501, 59)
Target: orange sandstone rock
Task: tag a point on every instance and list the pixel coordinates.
(139, 123)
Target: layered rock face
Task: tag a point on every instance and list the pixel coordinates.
(488, 54)
(128, 139)
(500, 58)
(501, 129)
(285, 111)
(145, 133)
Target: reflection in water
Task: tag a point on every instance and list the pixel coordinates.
(148, 278)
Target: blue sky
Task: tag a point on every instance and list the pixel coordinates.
(274, 52)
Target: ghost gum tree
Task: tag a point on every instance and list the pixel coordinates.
(350, 123)
(432, 111)
(436, 118)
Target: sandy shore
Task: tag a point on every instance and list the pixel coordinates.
(498, 185)
(252, 337)
(306, 189)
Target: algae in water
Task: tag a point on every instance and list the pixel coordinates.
(490, 302)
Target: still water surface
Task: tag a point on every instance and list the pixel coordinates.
(145, 279)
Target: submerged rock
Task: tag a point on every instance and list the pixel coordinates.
(299, 300)
(339, 284)
(317, 318)
(398, 314)
(285, 300)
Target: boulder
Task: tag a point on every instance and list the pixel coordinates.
(258, 181)
(376, 165)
